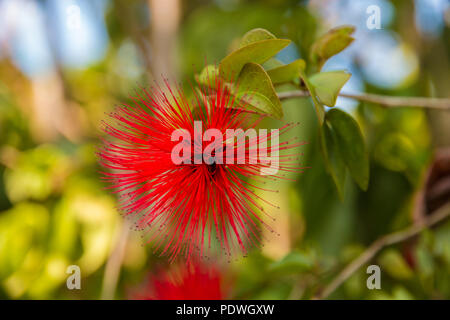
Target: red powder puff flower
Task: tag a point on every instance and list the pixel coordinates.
(182, 197)
(194, 282)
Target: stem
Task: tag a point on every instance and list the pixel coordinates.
(387, 240)
(386, 101)
(114, 263)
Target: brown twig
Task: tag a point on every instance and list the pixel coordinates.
(386, 101)
(387, 240)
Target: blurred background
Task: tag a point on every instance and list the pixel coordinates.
(64, 63)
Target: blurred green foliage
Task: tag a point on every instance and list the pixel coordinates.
(55, 210)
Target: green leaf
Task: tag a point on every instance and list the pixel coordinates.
(294, 262)
(255, 89)
(255, 35)
(333, 160)
(320, 111)
(331, 43)
(393, 263)
(272, 63)
(256, 52)
(327, 85)
(350, 144)
(208, 76)
(288, 72)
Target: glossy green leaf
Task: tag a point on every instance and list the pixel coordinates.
(350, 144)
(255, 88)
(256, 52)
(272, 63)
(288, 72)
(320, 111)
(331, 43)
(327, 85)
(255, 35)
(333, 160)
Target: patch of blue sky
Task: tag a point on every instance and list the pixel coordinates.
(288, 54)
(385, 62)
(78, 43)
(27, 39)
(429, 16)
(80, 31)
